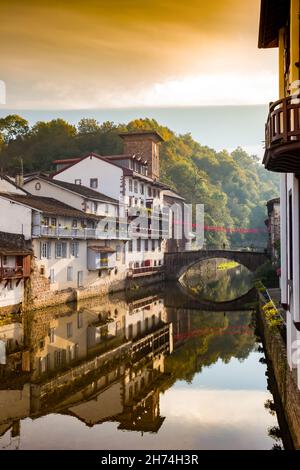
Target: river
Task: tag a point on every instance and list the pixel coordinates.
(147, 369)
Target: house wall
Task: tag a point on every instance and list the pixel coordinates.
(15, 218)
(11, 298)
(109, 176)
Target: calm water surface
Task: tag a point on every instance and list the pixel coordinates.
(138, 372)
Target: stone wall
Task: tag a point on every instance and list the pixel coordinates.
(286, 381)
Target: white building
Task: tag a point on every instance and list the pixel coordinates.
(132, 178)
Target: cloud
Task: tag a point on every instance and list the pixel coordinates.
(99, 53)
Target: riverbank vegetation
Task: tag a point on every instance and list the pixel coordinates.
(234, 187)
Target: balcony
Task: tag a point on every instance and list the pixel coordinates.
(145, 271)
(78, 233)
(11, 273)
(282, 152)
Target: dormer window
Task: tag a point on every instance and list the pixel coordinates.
(94, 183)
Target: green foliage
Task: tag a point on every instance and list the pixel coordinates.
(234, 187)
(267, 275)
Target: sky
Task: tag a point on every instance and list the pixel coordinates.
(93, 54)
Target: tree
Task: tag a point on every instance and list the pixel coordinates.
(88, 126)
(13, 126)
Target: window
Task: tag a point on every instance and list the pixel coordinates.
(106, 208)
(69, 330)
(159, 246)
(78, 181)
(94, 183)
(149, 191)
(37, 186)
(94, 207)
(138, 244)
(74, 249)
(142, 188)
(46, 221)
(54, 221)
(130, 185)
(146, 245)
(74, 223)
(154, 192)
(45, 250)
(153, 245)
(130, 243)
(60, 250)
(135, 186)
(51, 335)
(69, 273)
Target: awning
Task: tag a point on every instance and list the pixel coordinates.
(102, 249)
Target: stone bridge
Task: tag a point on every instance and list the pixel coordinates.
(176, 264)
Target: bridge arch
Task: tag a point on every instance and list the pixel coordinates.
(176, 264)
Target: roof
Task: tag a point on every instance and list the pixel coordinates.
(141, 133)
(172, 194)
(273, 16)
(47, 205)
(10, 181)
(10, 248)
(77, 188)
(127, 157)
(66, 160)
(73, 161)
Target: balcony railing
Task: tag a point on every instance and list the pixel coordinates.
(283, 121)
(283, 136)
(80, 233)
(146, 270)
(11, 273)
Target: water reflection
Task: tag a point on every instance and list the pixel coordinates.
(75, 376)
(218, 280)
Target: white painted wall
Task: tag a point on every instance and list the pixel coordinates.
(10, 297)
(109, 176)
(15, 218)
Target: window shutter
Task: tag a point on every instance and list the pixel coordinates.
(49, 250)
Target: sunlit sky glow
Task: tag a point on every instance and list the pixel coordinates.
(124, 53)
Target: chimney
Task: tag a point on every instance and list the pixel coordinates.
(19, 180)
(145, 144)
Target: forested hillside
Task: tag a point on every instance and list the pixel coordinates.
(234, 187)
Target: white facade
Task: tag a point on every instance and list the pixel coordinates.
(108, 176)
(15, 218)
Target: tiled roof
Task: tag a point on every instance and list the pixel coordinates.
(47, 205)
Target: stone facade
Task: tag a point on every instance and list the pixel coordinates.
(286, 379)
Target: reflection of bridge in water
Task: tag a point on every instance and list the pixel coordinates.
(182, 298)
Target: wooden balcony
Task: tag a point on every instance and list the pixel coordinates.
(11, 273)
(282, 152)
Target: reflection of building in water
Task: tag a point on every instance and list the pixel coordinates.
(98, 360)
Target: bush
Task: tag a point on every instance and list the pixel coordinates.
(267, 275)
